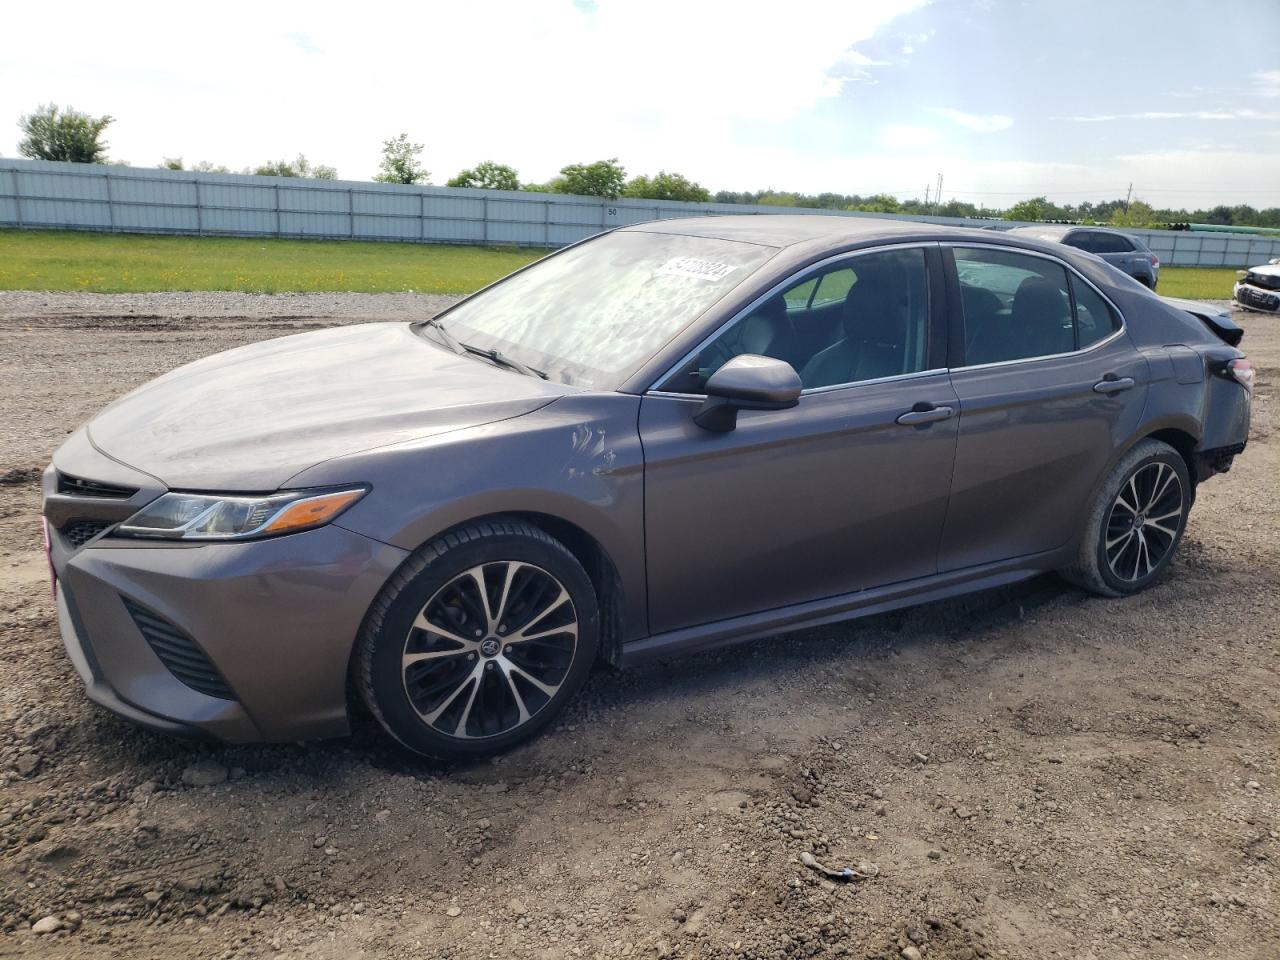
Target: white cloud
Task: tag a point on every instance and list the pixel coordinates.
(535, 84)
(905, 137)
(1243, 113)
(979, 122)
(1266, 83)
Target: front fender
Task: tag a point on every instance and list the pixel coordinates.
(578, 460)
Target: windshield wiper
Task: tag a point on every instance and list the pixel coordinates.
(504, 360)
(449, 339)
(494, 356)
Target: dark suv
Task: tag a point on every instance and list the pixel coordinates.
(1122, 250)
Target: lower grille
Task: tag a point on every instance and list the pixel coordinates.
(1256, 298)
(180, 654)
(79, 532)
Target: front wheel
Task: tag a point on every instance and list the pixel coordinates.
(478, 641)
(1136, 523)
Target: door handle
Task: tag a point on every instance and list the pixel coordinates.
(1112, 384)
(926, 413)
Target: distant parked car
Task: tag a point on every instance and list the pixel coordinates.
(1121, 250)
(1259, 288)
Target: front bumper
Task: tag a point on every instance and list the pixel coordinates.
(1254, 298)
(275, 618)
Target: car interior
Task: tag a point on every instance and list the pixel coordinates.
(867, 318)
(863, 320)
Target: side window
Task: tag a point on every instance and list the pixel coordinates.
(834, 286)
(1082, 240)
(1111, 243)
(801, 295)
(1015, 306)
(1095, 320)
(862, 319)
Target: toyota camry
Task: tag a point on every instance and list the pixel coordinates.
(672, 436)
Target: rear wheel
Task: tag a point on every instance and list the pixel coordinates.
(478, 641)
(1136, 523)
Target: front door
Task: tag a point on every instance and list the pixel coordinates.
(833, 496)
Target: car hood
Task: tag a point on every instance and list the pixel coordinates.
(1267, 270)
(251, 418)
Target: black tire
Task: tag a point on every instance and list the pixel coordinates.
(499, 699)
(1111, 560)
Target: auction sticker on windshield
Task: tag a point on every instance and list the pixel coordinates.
(696, 268)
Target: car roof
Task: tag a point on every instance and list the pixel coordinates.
(785, 230)
(801, 238)
(805, 232)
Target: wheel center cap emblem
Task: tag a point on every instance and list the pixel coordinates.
(491, 647)
(1139, 520)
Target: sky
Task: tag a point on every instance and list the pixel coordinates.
(1006, 99)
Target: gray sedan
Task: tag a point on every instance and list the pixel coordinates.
(670, 437)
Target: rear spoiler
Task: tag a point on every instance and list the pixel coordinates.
(1223, 326)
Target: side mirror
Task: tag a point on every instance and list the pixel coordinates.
(747, 382)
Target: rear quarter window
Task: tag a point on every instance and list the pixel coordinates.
(1095, 320)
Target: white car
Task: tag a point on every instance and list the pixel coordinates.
(1259, 288)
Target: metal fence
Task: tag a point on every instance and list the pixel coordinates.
(70, 196)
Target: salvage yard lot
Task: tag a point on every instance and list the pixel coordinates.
(1035, 772)
(134, 263)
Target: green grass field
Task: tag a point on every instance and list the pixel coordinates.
(1197, 283)
(134, 263)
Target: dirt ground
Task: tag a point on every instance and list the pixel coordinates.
(1033, 771)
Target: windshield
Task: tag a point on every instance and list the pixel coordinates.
(593, 314)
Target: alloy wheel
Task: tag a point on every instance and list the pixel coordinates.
(490, 649)
(1144, 522)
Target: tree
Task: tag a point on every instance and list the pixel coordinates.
(1139, 214)
(667, 186)
(604, 178)
(1037, 208)
(488, 176)
(54, 134)
(300, 167)
(771, 199)
(880, 203)
(204, 166)
(400, 162)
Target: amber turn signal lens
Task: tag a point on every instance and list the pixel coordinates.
(313, 511)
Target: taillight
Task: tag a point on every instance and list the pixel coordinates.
(1155, 261)
(1242, 372)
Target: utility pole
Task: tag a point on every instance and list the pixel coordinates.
(937, 197)
(926, 195)
(1128, 196)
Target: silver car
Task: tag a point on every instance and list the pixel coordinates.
(673, 436)
(1258, 288)
(1124, 251)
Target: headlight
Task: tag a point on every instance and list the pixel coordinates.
(197, 516)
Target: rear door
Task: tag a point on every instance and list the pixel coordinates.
(846, 491)
(1049, 384)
